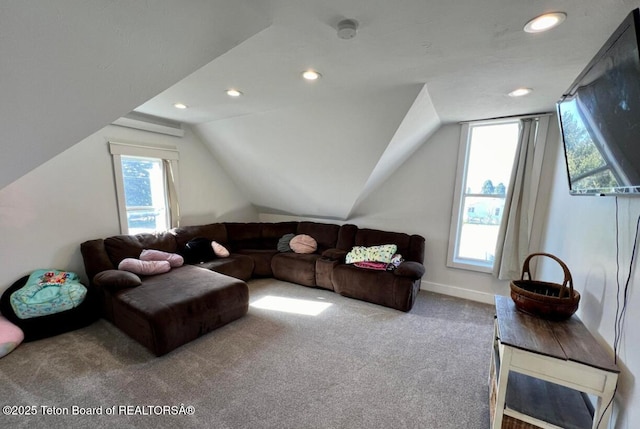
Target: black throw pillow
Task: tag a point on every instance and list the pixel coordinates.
(198, 250)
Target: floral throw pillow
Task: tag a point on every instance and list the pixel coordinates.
(357, 254)
(383, 253)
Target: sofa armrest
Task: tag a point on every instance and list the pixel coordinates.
(410, 269)
(335, 254)
(114, 280)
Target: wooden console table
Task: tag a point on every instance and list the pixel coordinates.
(541, 372)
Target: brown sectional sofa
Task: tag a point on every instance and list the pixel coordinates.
(166, 310)
(171, 309)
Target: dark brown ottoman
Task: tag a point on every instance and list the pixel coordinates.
(171, 309)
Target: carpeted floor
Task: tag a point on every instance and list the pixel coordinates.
(352, 365)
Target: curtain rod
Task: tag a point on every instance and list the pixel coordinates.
(532, 115)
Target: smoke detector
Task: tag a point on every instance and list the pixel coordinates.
(347, 29)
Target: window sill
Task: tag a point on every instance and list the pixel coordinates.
(481, 268)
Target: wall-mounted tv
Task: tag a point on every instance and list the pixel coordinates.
(599, 118)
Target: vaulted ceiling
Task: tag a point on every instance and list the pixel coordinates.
(68, 68)
(303, 148)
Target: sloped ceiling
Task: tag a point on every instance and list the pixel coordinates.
(307, 166)
(420, 122)
(292, 146)
(320, 148)
(69, 67)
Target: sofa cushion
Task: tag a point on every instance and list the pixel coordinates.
(271, 233)
(346, 236)
(245, 236)
(335, 254)
(213, 231)
(116, 279)
(261, 260)
(131, 246)
(325, 234)
(411, 247)
(303, 243)
(95, 257)
(373, 237)
(297, 268)
(238, 266)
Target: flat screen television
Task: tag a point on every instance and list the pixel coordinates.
(599, 118)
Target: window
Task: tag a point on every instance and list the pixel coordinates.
(485, 162)
(146, 187)
(144, 194)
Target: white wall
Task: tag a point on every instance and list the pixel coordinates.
(582, 232)
(418, 199)
(46, 214)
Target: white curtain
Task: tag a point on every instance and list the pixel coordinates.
(517, 237)
(170, 167)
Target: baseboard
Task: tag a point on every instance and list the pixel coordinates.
(458, 292)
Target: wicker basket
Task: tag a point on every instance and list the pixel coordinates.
(543, 299)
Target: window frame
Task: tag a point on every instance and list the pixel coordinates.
(458, 201)
(169, 156)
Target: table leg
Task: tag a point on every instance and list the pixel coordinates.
(503, 378)
(602, 413)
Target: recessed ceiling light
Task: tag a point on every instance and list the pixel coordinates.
(545, 22)
(520, 92)
(180, 106)
(311, 74)
(233, 93)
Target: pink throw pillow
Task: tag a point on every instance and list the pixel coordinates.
(10, 336)
(219, 250)
(145, 268)
(174, 259)
(303, 243)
